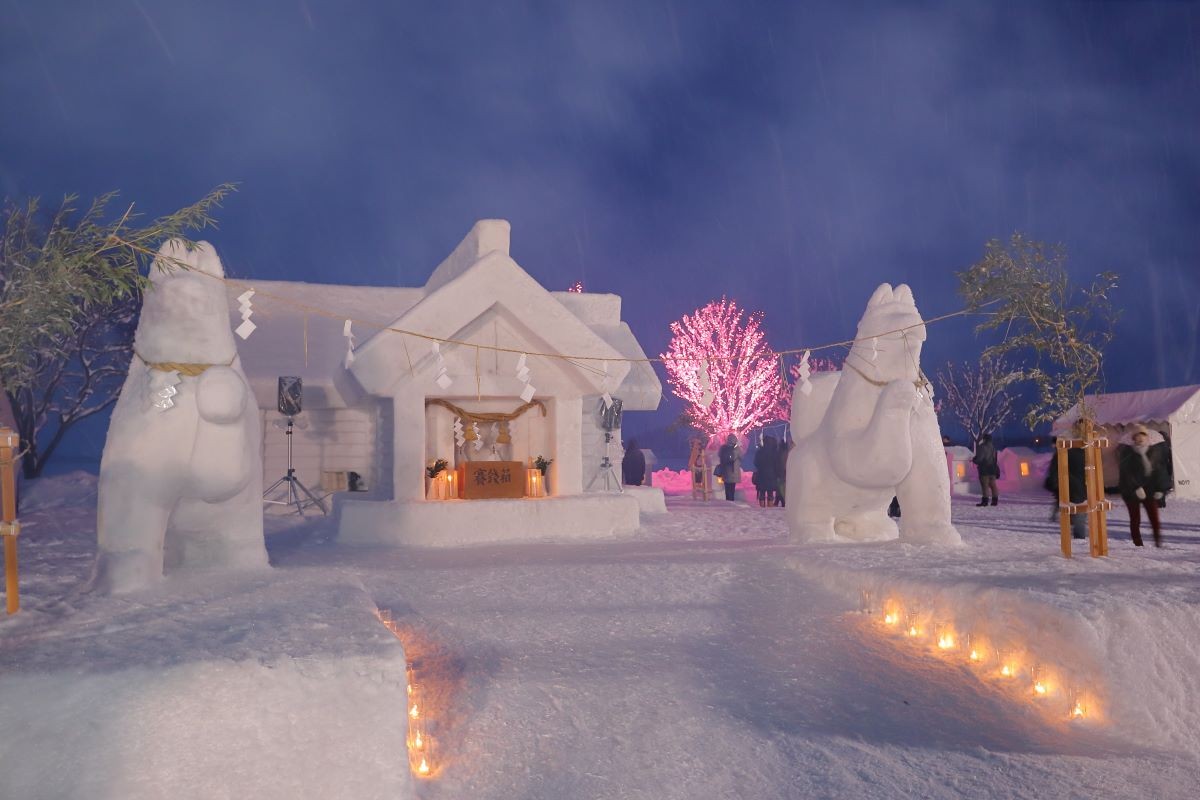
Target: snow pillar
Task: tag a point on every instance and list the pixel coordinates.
(568, 458)
(408, 445)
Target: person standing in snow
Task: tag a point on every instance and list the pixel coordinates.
(633, 465)
(729, 466)
(1145, 478)
(785, 447)
(1076, 487)
(766, 479)
(989, 469)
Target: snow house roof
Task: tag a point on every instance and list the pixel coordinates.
(478, 281)
(1176, 404)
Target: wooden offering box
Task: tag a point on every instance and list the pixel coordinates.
(489, 480)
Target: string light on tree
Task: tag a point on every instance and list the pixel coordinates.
(729, 347)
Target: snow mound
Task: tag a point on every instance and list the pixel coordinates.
(207, 688)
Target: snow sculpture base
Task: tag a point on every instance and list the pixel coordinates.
(462, 523)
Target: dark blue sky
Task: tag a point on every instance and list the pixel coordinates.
(792, 155)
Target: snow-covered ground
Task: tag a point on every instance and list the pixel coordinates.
(704, 658)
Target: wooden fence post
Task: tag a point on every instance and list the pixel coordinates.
(9, 527)
(1064, 496)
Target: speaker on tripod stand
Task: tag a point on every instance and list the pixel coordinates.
(289, 403)
(610, 420)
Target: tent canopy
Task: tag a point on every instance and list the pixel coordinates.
(1176, 404)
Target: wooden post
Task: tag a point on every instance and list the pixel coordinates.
(1064, 496)
(9, 527)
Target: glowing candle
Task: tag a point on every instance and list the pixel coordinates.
(414, 712)
(891, 618)
(424, 768)
(418, 742)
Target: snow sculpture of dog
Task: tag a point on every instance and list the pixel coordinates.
(868, 433)
(181, 474)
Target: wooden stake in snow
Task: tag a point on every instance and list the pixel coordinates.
(1095, 506)
(9, 527)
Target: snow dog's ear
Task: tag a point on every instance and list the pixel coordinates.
(903, 294)
(882, 295)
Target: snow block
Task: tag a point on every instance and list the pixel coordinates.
(461, 523)
(650, 498)
(268, 688)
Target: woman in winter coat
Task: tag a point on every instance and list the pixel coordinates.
(633, 465)
(1145, 478)
(989, 469)
(729, 466)
(766, 478)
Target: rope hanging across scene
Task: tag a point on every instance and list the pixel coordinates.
(573, 359)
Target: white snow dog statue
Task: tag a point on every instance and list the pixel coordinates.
(868, 433)
(181, 474)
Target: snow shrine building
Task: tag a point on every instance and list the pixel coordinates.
(1174, 412)
(376, 421)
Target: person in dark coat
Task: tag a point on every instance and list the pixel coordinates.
(1145, 478)
(989, 469)
(729, 466)
(633, 465)
(785, 447)
(1076, 487)
(766, 467)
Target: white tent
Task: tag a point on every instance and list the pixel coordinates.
(1174, 412)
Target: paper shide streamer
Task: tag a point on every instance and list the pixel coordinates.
(247, 327)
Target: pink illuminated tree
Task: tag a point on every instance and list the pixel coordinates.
(815, 364)
(721, 366)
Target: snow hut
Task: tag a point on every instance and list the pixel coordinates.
(1173, 412)
(1021, 469)
(963, 477)
(392, 410)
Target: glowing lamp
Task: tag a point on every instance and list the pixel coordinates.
(891, 618)
(414, 712)
(424, 768)
(452, 484)
(913, 630)
(946, 641)
(1024, 469)
(1078, 711)
(535, 483)
(418, 742)
(975, 655)
(1039, 688)
(1005, 670)
(960, 470)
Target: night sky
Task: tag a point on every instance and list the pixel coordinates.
(791, 155)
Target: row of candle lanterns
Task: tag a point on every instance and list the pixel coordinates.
(1004, 663)
(420, 743)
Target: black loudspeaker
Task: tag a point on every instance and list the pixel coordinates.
(610, 415)
(290, 390)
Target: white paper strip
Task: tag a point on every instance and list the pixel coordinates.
(347, 331)
(244, 307)
(802, 372)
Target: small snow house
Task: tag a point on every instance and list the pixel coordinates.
(1173, 412)
(376, 423)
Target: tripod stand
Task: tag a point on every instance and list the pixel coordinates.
(606, 469)
(294, 486)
